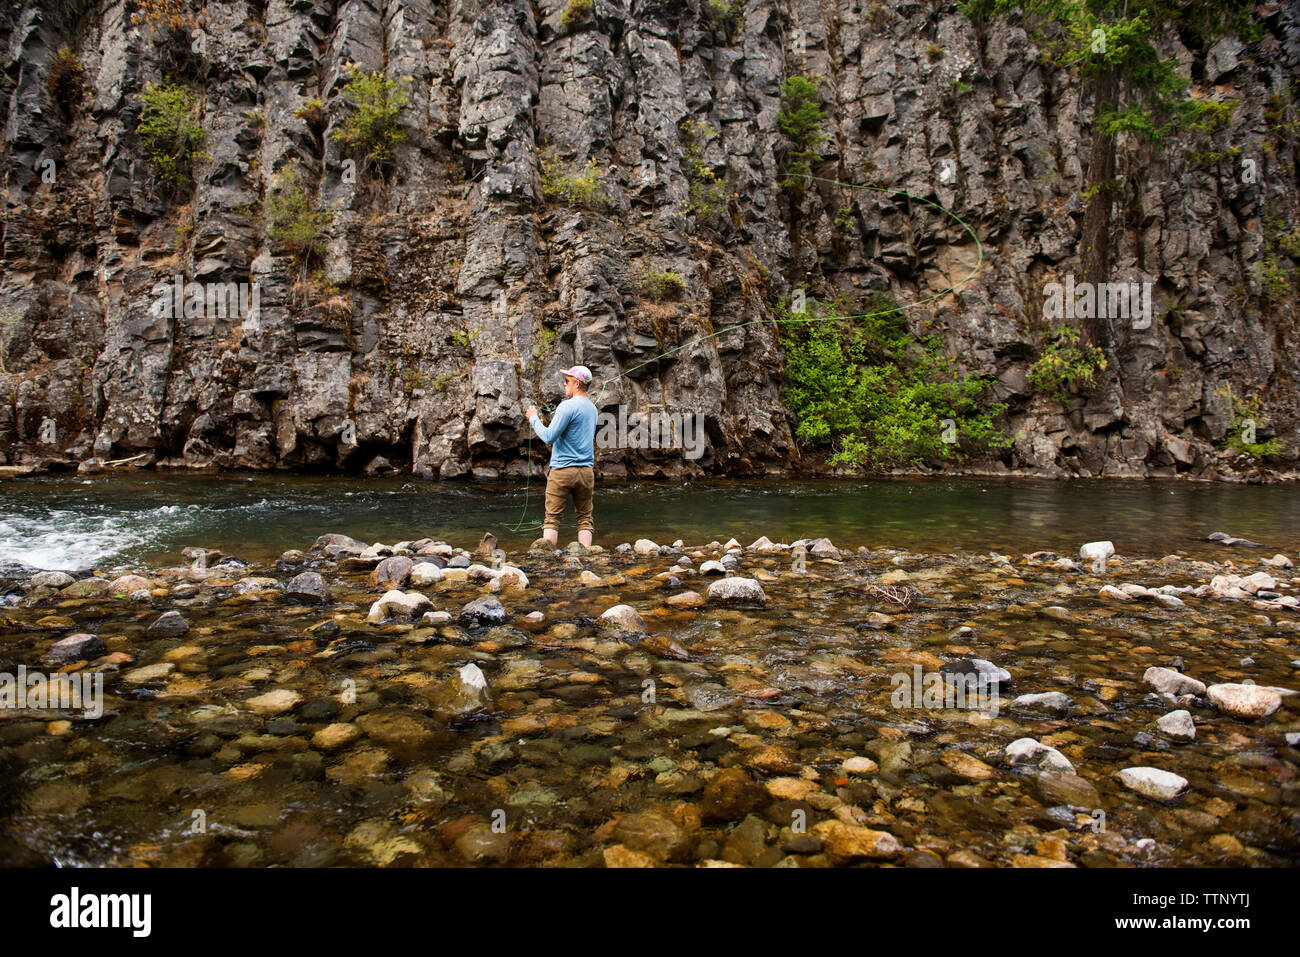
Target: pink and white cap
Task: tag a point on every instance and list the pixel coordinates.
(581, 373)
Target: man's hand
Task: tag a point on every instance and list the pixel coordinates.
(532, 411)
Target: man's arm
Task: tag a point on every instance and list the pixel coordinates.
(548, 435)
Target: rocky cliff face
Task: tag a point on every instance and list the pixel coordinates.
(451, 293)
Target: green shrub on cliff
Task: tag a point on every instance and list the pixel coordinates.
(571, 184)
(170, 130)
(374, 128)
(65, 79)
(575, 12)
(800, 119)
(1066, 363)
(1247, 421)
(291, 217)
(706, 194)
(877, 395)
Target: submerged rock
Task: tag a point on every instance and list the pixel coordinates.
(168, 625)
(1223, 538)
(274, 702)
(1047, 700)
(622, 619)
(979, 674)
(78, 647)
(849, 842)
(462, 693)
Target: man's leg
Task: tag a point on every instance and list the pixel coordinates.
(556, 498)
(583, 494)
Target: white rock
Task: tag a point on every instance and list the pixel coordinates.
(148, 673)
(643, 546)
(1042, 756)
(1178, 724)
(1097, 553)
(1260, 581)
(1152, 782)
(396, 603)
(822, 548)
(273, 702)
(737, 589)
(622, 618)
(1244, 701)
(472, 678)
(1169, 601)
(1169, 681)
(712, 568)
(508, 576)
(1049, 700)
(1228, 586)
(425, 573)
(731, 543)
(1278, 561)
(1111, 593)
(762, 544)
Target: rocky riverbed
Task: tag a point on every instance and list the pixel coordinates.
(692, 704)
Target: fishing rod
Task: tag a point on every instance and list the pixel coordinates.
(521, 525)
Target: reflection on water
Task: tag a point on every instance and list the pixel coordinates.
(112, 520)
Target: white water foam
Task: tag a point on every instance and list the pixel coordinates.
(67, 539)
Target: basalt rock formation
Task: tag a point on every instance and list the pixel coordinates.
(451, 292)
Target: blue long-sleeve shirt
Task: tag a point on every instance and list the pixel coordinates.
(572, 433)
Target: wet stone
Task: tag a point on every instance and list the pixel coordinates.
(169, 624)
(307, 587)
(484, 611)
(78, 647)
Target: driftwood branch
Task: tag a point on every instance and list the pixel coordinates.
(899, 596)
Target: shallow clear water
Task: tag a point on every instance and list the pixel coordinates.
(115, 520)
(569, 752)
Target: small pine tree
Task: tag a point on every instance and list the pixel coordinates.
(291, 217)
(375, 126)
(169, 127)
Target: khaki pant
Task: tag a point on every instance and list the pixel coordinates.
(576, 482)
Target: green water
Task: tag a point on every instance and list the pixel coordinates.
(113, 520)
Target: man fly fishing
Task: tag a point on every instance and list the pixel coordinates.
(572, 437)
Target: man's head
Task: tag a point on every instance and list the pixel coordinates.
(576, 380)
